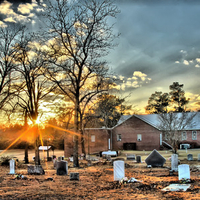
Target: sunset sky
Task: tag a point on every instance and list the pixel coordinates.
(159, 44)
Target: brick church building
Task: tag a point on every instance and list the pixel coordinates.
(134, 132)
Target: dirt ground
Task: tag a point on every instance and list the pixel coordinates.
(96, 182)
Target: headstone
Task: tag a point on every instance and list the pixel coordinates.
(60, 158)
(49, 158)
(176, 187)
(155, 159)
(130, 157)
(174, 162)
(12, 166)
(54, 163)
(183, 172)
(35, 169)
(199, 157)
(138, 159)
(71, 159)
(190, 157)
(74, 176)
(119, 171)
(62, 168)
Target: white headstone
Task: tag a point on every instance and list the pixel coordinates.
(183, 171)
(12, 166)
(119, 171)
(174, 162)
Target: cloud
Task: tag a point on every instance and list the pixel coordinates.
(185, 62)
(137, 80)
(19, 12)
(2, 24)
(26, 8)
(9, 19)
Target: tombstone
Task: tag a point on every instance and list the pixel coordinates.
(198, 157)
(12, 166)
(35, 169)
(74, 176)
(130, 157)
(183, 172)
(138, 159)
(176, 187)
(54, 163)
(119, 171)
(71, 159)
(60, 158)
(49, 158)
(174, 162)
(190, 157)
(155, 159)
(62, 168)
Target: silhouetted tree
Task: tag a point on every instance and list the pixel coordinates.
(81, 37)
(108, 109)
(9, 36)
(32, 86)
(158, 103)
(177, 96)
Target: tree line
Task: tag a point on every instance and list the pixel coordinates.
(174, 101)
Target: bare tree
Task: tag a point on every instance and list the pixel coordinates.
(81, 37)
(173, 124)
(33, 86)
(9, 36)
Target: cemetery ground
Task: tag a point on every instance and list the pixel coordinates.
(96, 179)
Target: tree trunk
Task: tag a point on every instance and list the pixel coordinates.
(37, 143)
(76, 125)
(26, 154)
(82, 137)
(26, 145)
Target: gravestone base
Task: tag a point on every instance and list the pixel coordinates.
(35, 169)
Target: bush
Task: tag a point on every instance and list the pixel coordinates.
(5, 160)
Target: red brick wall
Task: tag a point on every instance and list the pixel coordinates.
(100, 144)
(190, 140)
(129, 130)
(101, 140)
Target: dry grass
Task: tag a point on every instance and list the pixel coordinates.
(96, 181)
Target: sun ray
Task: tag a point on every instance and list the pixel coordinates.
(15, 140)
(62, 129)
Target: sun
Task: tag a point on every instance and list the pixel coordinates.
(38, 121)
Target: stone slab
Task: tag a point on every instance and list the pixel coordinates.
(176, 187)
(155, 159)
(35, 169)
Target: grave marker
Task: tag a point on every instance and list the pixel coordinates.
(74, 176)
(130, 157)
(199, 157)
(62, 168)
(174, 162)
(138, 159)
(190, 157)
(155, 159)
(183, 172)
(119, 171)
(12, 166)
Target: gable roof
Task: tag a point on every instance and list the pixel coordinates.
(153, 120)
